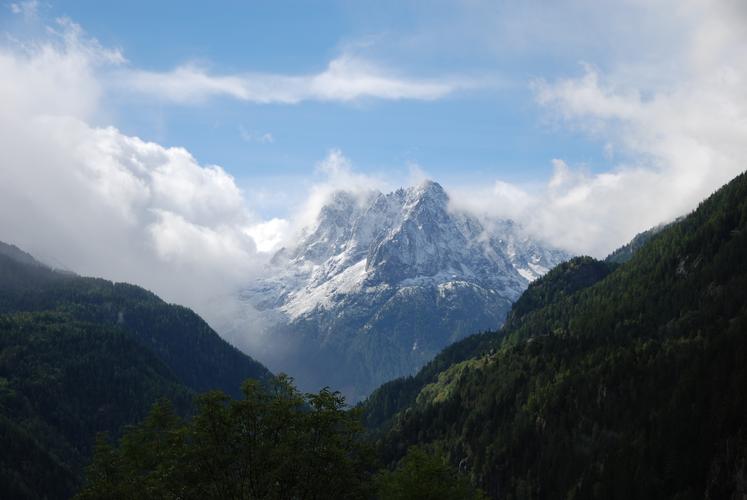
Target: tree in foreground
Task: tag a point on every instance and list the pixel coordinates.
(272, 444)
(275, 443)
(424, 476)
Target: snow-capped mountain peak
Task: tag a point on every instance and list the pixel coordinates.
(392, 270)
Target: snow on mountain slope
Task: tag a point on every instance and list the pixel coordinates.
(382, 283)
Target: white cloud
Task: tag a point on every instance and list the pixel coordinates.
(501, 199)
(334, 173)
(417, 174)
(680, 122)
(346, 78)
(110, 205)
(55, 76)
(76, 41)
(270, 235)
(102, 203)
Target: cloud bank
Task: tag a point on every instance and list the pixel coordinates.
(102, 203)
(346, 78)
(99, 202)
(675, 128)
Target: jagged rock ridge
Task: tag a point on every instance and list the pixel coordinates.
(382, 282)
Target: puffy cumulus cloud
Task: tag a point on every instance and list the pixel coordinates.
(334, 173)
(102, 203)
(54, 76)
(106, 204)
(679, 123)
(595, 213)
(182, 242)
(346, 78)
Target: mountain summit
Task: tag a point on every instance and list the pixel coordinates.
(382, 282)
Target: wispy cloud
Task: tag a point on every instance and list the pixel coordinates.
(28, 9)
(346, 78)
(262, 138)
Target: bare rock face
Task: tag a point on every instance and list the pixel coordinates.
(383, 282)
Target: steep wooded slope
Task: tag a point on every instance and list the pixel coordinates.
(629, 388)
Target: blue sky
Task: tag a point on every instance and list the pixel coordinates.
(493, 129)
(178, 144)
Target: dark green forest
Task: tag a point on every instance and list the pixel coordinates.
(80, 356)
(182, 340)
(273, 443)
(619, 379)
(608, 381)
(61, 381)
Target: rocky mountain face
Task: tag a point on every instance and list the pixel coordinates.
(383, 282)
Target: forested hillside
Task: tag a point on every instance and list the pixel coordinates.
(80, 356)
(626, 252)
(197, 356)
(61, 382)
(566, 278)
(608, 381)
